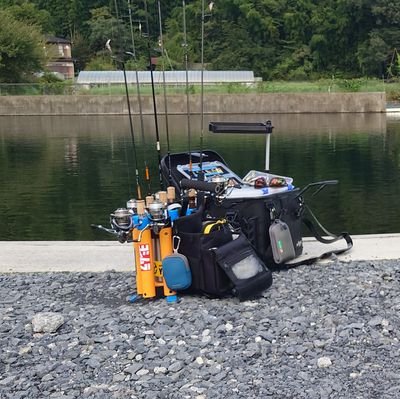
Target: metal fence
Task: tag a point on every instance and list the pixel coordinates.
(392, 89)
(36, 89)
(24, 89)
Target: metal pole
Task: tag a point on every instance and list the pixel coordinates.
(267, 151)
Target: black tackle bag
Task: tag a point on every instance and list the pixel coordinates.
(253, 218)
(274, 225)
(221, 263)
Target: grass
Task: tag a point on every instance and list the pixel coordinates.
(391, 88)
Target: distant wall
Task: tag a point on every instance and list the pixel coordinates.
(213, 104)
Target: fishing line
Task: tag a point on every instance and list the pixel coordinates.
(161, 43)
(185, 45)
(116, 33)
(122, 62)
(154, 96)
(201, 174)
(210, 6)
(146, 167)
(136, 70)
(139, 191)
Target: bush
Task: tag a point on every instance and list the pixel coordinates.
(49, 83)
(299, 75)
(100, 63)
(351, 85)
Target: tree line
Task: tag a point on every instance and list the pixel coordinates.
(277, 39)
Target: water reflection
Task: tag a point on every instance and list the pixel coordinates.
(71, 155)
(100, 126)
(60, 174)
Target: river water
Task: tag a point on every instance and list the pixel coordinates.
(60, 174)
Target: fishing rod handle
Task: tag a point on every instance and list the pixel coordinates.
(201, 185)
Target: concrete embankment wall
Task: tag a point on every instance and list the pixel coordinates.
(213, 104)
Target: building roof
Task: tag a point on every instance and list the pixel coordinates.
(171, 77)
(54, 39)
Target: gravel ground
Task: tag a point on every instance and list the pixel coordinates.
(322, 331)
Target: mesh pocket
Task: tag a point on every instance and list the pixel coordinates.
(247, 268)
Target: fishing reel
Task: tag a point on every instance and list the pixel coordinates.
(131, 205)
(121, 219)
(153, 215)
(157, 215)
(121, 224)
(222, 183)
(224, 186)
(157, 211)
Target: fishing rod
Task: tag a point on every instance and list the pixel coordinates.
(146, 167)
(154, 97)
(185, 46)
(118, 34)
(161, 42)
(203, 15)
(136, 70)
(121, 61)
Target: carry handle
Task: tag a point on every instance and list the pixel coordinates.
(214, 188)
(320, 184)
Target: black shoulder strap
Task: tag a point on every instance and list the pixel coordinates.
(310, 223)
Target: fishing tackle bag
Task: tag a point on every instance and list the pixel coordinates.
(274, 225)
(254, 217)
(261, 219)
(220, 263)
(196, 246)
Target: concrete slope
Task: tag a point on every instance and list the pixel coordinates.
(366, 247)
(99, 256)
(69, 256)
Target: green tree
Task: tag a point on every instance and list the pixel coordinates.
(70, 17)
(103, 26)
(386, 12)
(393, 69)
(30, 14)
(276, 38)
(387, 15)
(21, 49)
(81, 52)
(372, 54)
(101, 62)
